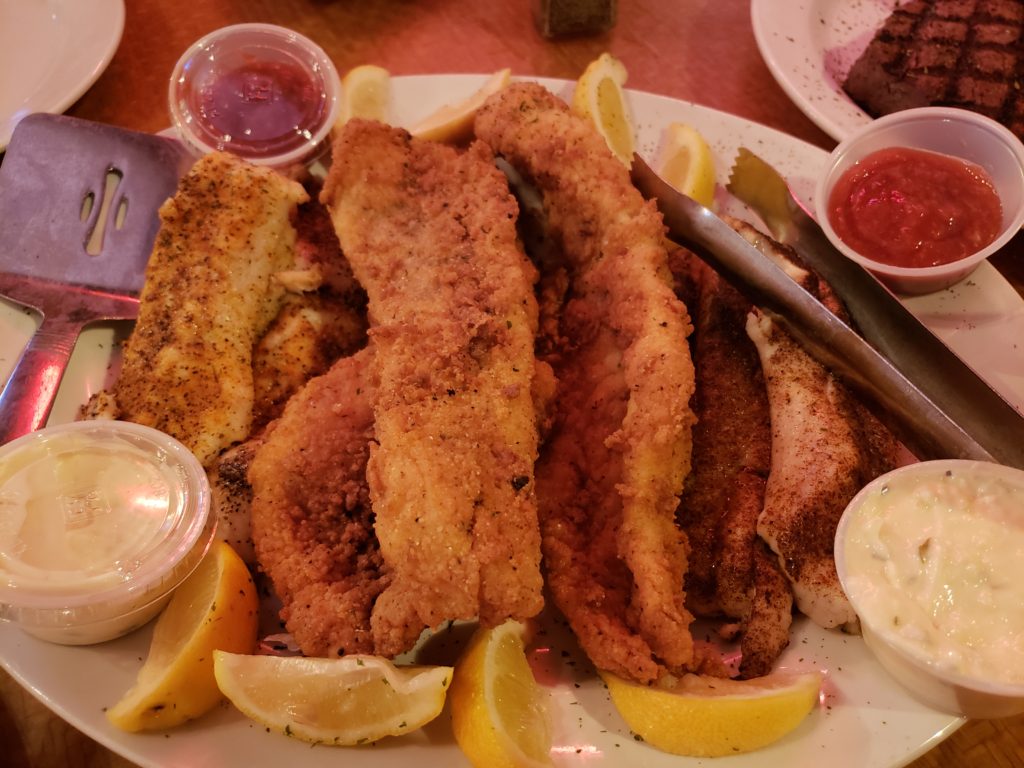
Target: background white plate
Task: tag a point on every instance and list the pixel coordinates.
(810, 45)
(51, 51)
(864, 718)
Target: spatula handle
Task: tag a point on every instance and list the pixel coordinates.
(28, 396)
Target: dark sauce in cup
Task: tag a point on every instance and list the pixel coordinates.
(260, 107)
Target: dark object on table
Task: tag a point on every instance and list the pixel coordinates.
(956, 53)
(561, 18)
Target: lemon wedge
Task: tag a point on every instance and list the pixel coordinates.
(365, 93)
(598, 95)
(454, 122)
(345, 701)
(499, 714)
(685, 161)
(215, 607)
(711, 717)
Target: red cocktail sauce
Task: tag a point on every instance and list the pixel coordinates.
(912, 208)
(260, 108)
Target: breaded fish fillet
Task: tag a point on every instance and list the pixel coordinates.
(826, 446)
(208, 296)
(312, 521)
(430, 233)
(612, 470)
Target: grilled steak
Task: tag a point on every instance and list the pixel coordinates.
(956, 53)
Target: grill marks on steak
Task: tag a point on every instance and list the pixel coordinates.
(956, 53)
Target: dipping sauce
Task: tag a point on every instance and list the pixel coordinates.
(263, 92)
(99, 521)
(260, 108)
(932, 563)
(912, 208)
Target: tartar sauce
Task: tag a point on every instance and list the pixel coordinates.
(99, 521)
(931, 564)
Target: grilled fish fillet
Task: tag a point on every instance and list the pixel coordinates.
(732, 575)
(613, 467)
(825, 447)
(430, 233)
(208, 296)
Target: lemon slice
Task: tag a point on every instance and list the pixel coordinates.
(345, 701)
(685, 161)
(365, 93)
(499, 714)
(712, 717)
(454, 122)
(215, 607)
(598, 95)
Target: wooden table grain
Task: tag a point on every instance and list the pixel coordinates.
(698, 50)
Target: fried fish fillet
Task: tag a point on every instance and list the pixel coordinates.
(612, 469)
(826, 446)
(430, 233)
(208, 296)
(732, 575)
(312, 521)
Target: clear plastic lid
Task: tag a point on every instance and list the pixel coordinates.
(263, 92)
(97, 515)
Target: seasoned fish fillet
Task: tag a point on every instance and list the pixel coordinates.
(825, 447)
(315, 326)
(731, 573)
(312, 522)
(612, 469)
(430, 233)
(208, 296)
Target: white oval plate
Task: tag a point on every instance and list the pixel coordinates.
(51, 52)
(810, 45)
(864, 718)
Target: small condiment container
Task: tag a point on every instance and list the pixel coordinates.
(967, 136)
(928, 556)
(99, 522)
(263, 92)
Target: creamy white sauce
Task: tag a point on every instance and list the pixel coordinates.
(933, 565)
(75, 515)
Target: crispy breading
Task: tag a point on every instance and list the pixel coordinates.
(430, 233)
(612, 470)
(208, 296)
(312, 522)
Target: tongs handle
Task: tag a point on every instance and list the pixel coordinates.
(28, 396)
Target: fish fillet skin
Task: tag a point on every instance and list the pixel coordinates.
(430, 233)
(826, 446)
(732, 575)
(612, 470)
(209, 294)
(312, 520)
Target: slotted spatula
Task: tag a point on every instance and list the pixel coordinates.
(78, 216)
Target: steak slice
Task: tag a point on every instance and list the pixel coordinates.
(954, 53)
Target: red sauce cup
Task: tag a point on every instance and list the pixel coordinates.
(260, 91)
(957, 133)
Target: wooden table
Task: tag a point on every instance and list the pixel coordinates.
(699, 50)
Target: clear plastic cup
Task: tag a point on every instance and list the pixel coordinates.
(99, 522)
(260, 91)
(955, 132)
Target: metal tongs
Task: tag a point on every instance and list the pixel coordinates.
(935, 404)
